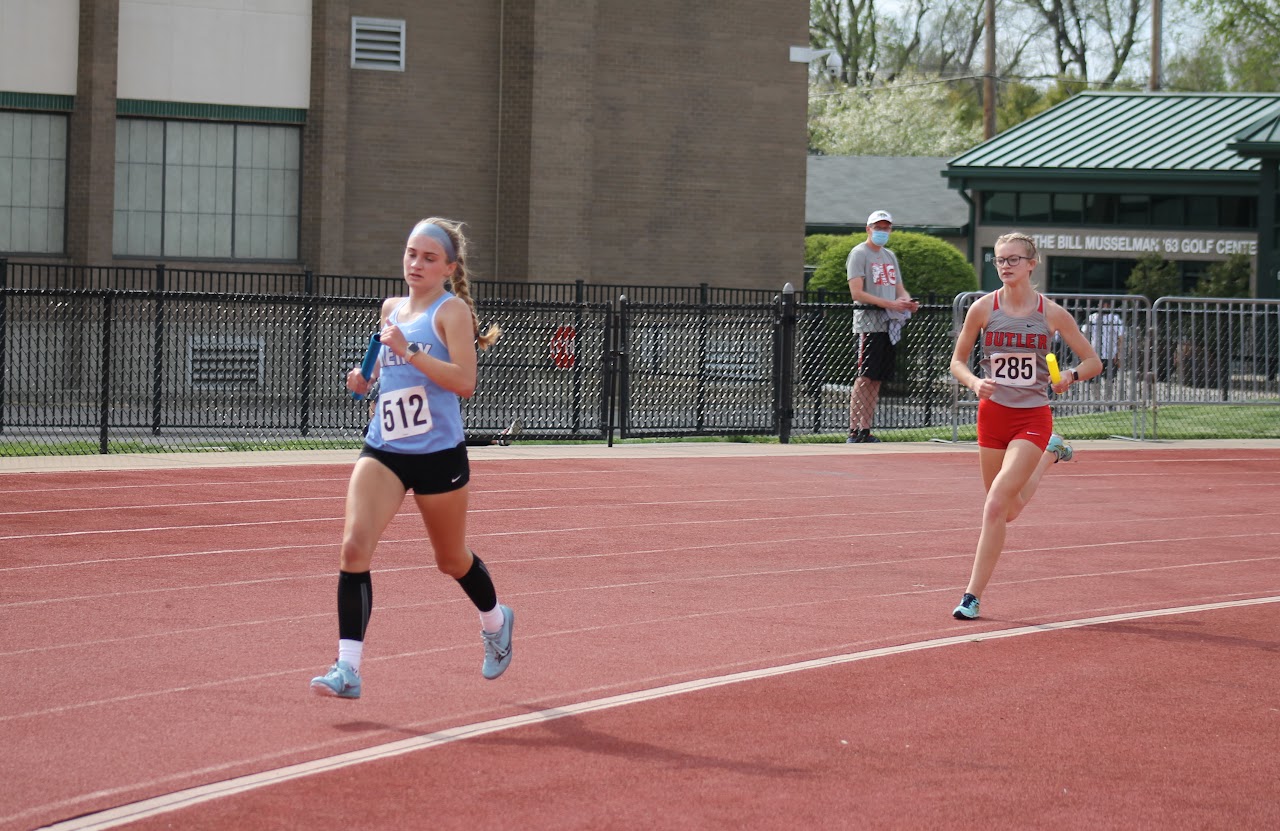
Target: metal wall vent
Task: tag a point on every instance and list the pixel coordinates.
(377, 43)
(224, 361)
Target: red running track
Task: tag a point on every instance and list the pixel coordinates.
(163, 626)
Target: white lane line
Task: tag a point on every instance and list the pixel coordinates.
(46, 601)
(133, 812)
(152, 486)
(537, 508)
(153, 506)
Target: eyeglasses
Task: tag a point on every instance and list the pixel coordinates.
(1014, 260)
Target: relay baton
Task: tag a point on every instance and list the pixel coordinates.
(370, 361)
(1054, 375)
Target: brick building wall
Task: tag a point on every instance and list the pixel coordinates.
(661, 142)
(604, 140)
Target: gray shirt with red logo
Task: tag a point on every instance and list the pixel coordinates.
(880, 276)
(1013, 350)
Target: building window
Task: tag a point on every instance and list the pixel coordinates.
(1133, 210)
(33, 182)
(1033, 207)
(1100, 209)
(1081, 275)
(1202, 211)
(1068, 208)
(1239, 212)
(999, 207)
(1167, 211)
(206, 190)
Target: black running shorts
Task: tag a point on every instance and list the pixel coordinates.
(423, 473)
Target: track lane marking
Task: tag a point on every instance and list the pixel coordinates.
(155, 806)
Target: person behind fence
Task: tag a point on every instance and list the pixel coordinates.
(1016, 442)
(415, 442)
(1105, 330)
(875, 279)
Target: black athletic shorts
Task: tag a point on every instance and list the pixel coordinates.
(875, 356)
(423, 473)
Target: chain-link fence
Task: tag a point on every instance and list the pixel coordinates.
(107, 370)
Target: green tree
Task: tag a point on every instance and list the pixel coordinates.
(1248, 32)
(1199, 69)
(1254, 66)
(1231, 278)
(1232, 18)
(1154, 277)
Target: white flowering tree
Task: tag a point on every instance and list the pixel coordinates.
(907, 117)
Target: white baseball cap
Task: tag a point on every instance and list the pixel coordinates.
(879, 216)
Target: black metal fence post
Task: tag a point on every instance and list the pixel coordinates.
(623, 370)
(4, 320)
(786, 363)
(157, 358)
(308, 327)
(104, 414)
(579, 289)
(704, 302)
(610, 373)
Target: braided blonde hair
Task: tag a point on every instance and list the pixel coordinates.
(1018, 236)
(458, 282)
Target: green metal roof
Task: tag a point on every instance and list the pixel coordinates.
(1136, 134)
(1261, 139)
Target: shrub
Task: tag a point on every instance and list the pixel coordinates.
(1154, 277)
(816, 244)
(1226, 279)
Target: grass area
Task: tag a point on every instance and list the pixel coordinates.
(29, 447)
(1169, 423)
(1214, 422)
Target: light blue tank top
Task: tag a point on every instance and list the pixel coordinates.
(414, 414)
(1013, 350)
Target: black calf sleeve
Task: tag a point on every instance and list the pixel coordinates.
(479, 585)
(355, 603)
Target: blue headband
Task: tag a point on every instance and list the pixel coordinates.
(438, 234)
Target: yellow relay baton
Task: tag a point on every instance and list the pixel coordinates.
(1054, 375)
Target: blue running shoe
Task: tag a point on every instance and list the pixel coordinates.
(341, 680)
(497, 646)
(968, 608)
(1059, 448)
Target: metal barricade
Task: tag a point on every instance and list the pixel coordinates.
(1214, 351)
(1117, 326)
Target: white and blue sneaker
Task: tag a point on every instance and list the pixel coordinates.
(341, 680)
(1058, 447)
(497, 646)
(968, 608)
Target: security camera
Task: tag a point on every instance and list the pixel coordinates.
(833, 66)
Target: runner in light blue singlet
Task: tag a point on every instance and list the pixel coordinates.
(414, 414)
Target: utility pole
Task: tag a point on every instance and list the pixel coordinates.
(1156, 14)
(989, 74)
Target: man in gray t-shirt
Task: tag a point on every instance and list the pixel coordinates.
(874, 280)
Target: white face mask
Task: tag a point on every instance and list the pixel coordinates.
(879, 237)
